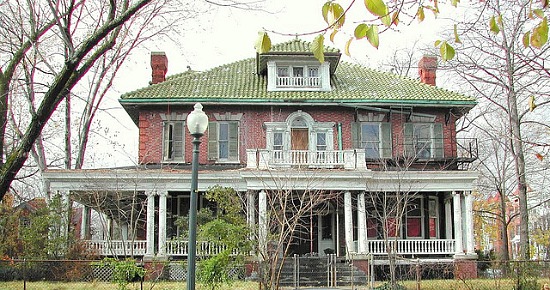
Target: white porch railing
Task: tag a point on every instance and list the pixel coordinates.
(347, 159)
(411, 247)
(117, 247)
(181, 248)
(138, 248)
(299, 82)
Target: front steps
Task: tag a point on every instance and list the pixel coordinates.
(315, 271)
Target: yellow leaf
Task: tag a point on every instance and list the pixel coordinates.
(263, 43)
(318, 48)
(420, 14)
(395, 18)
(377, 7)
(333, 34)
(493, 25)
(532, 104)
(447, 51)
(372, 36)
(386, 20)
(457, 39)
(539, 13)
(525, 39)
(346, 48)
(539, 35)
(455, 2)
(334, 14)
(437, 43)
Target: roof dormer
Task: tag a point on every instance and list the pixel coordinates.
(291, 66)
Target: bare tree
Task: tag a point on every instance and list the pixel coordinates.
(506, 75)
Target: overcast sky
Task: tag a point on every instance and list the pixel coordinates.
(226, 35)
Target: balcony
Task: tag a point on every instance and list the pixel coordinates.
(264, 159)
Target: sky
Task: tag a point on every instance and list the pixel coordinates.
(224, 35)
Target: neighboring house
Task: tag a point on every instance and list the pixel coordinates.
(284, 115)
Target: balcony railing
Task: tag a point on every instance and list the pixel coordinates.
(204, 249)
(288, 82)
(347, 159)
(412, 247)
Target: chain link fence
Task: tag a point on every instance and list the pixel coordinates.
(300, 273)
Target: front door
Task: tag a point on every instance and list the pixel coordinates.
(326, 233)
(299, 145)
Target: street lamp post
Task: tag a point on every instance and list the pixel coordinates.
(197, 122)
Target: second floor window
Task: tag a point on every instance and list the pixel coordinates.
(173, 147)
(374, 137)
(223, 141)
(424, 140)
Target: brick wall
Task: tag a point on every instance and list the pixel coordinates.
(465, 269)
(252, 132)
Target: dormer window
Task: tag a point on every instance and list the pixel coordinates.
(298, 76)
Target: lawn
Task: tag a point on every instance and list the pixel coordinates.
(475, 284)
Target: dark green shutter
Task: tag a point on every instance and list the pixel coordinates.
(212, 140)
(233, 140)
(356, 135)
(385, 135)
(438, 140)
(408, 143)
(166, 140)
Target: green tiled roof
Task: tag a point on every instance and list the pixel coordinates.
(299, 46)
(239, 82)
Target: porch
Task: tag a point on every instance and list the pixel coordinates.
(179, 248)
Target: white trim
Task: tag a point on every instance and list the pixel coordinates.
(323, 74)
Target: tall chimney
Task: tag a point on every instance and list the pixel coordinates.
(427, 67)
(159, 66)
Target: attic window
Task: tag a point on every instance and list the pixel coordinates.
(298, 76)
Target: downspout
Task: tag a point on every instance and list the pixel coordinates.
(339, 132)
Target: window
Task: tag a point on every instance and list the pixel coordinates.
(374, 137)
(424, 140)
(414, 218)
(298, 76)
(173, 147)
(223, 141)
(321, 141)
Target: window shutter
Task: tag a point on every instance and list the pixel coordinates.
(166, 141)
(356, 135)
(178, 140)
(212, 140)
(438, 140)
(233, 140)
(385, 136)
(408, 145)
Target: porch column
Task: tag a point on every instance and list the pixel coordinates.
(468, 219)
(262, 222)
(361, 224)
(150, 250)
(85, 223)
(348, 220)
(448, 218)
(250, 211)
(162, 224)
(459, 249)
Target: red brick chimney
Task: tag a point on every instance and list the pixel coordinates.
(159, 65)
(427, 67)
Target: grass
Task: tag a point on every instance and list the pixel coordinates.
(474, 284)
